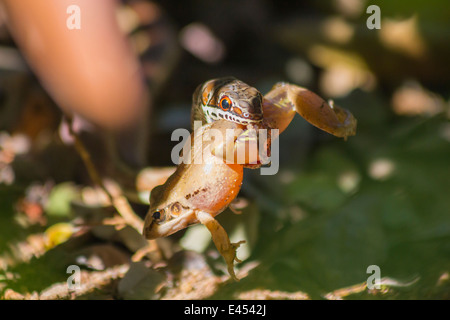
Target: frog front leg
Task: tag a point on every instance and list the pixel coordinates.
(248, 146)
(221, 240)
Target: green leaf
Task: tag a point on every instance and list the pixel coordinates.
(60, 198)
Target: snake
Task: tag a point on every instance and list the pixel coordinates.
(227, 99)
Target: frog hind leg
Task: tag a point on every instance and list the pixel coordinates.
(221, 241)
(284, 100)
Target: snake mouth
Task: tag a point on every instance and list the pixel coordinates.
(214, 114)
(257, 117)
(241, 120)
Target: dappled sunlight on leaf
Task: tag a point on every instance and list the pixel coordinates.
(380, 169)
(412, 99)
(58, 233)
(199, 40)
(344, 71)
(338, 30)
(403, 36)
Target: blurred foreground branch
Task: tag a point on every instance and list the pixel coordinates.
(117, 199)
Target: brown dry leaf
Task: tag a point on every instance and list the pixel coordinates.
(340, 294)
(23, 251)
(261, 294)
(101, 256)
(343, 70)
(194, 285)
(413, 99)
(404, 37)
(192, 277)
(90, 281)
(141, 282)
(338, 30)
(14, 295)
(149, 178)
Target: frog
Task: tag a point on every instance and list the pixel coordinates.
(197, 192)
(200, 190)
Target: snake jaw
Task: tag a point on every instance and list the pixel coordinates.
(213, 114)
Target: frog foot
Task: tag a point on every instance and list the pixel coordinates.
(221, 241)
(230, 256)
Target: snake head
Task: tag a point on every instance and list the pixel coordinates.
(229, 99)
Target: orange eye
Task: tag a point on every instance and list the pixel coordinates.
(225, 103)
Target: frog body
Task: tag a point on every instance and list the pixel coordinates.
(209, 186)
(198, 191)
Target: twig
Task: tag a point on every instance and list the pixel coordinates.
(91, 281)
(118, 200)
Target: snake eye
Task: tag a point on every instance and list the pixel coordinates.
(225, 103)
